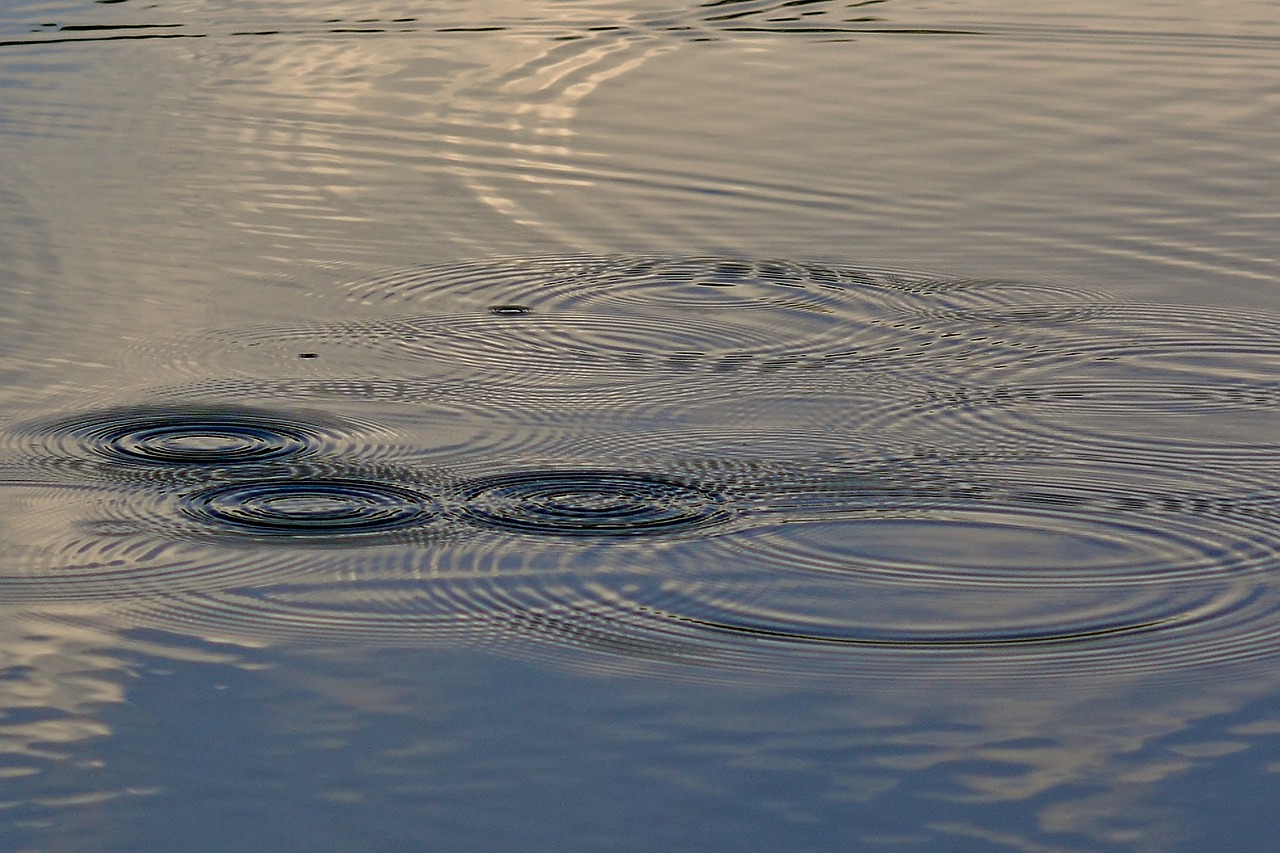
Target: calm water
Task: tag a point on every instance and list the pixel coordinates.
(581, 425)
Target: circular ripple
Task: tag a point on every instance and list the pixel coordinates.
(176, 530)
(689, 613)
(555, 348)
(184, 435)
(734, 614)
(946, 568)
(1046, 568)
(590, 503)
(304, 508)
(731, 314)
(1030, 575)
(1163, 419)
(195, 442)
(1164, 384)
(1195, 340)
(592, 320)
(99, 543)
(648, 426)
(701, 283)
(1017, 541)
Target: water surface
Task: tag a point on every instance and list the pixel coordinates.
(744, 425)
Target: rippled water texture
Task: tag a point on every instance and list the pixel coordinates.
(612, 424)
(737, 491)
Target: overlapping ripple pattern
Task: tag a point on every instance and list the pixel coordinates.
(694, 463)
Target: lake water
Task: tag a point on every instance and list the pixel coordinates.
(745, 425)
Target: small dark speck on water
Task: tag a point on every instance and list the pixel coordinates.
(308, 355)
(509, 310)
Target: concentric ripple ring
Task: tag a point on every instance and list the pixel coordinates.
(182, 443)
(202, 435)
(590, 503)
(310, 507)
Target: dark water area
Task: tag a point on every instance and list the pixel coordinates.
(588, 425)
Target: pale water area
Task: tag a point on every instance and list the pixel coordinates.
(730, 426)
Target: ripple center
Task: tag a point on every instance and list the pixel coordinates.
(310, 507)
(590, 503)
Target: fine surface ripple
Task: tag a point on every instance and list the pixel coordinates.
(598, 320)
(696, 463)
(590, 503)
(304, 508)
(187, 435)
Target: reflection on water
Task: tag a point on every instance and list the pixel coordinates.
(60, 670)
(611, 527)
(710, 472)
(505, 127)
